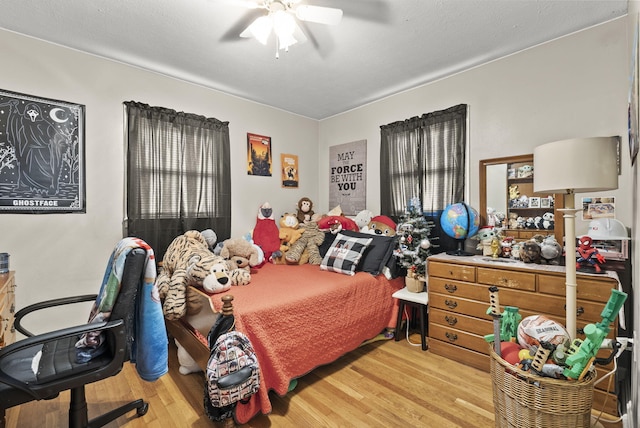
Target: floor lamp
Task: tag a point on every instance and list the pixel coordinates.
(574, 166)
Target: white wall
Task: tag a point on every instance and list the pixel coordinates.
(65, 254)
(571, 87)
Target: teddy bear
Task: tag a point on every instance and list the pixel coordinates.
(305, 210)
(381, 225)
(189, 262)
(240, 256)
(550, 250)
(530, 251)
(363, 218)
(311, 238)
(513, 221)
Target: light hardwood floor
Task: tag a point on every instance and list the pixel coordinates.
(381, 384)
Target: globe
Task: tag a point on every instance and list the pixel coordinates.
(460, 221)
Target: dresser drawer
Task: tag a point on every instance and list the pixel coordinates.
(588, 288)
(459, 305)
(507, 279)
(465, 356)
(459, 289)
(452, 271)
(460, 321)
(457, 337)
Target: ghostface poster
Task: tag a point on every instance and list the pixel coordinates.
(41, 155)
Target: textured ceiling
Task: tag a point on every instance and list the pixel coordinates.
(381, 47)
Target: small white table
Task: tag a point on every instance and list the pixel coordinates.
(421, 301)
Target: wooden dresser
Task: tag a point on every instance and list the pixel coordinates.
(459, 298)
(7, 308)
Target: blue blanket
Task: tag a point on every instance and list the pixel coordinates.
(149, 349)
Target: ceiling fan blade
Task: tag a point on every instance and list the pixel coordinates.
(247, 4)
(319, 14)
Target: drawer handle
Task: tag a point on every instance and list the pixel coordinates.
(451, 320)
(452, 304)
(451, 288)
(579, 310)
(451, 336)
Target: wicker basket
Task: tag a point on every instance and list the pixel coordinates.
(415, 284)
(522, 399)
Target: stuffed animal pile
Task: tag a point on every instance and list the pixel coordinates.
(188, 261)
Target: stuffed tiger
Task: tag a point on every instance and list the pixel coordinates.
(189, 262)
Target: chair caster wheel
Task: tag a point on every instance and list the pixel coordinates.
(142, 410)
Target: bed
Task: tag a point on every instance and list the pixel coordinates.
(297, 318)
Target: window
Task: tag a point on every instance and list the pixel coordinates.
(177, 175)
(423, 157)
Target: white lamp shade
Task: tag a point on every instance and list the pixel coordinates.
(580, 165)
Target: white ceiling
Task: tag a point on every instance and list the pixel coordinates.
(381, 47)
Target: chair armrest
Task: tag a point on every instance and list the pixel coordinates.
(45, 305)
(39, 392)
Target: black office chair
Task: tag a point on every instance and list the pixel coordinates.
(57, 369)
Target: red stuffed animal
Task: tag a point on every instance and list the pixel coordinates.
(266, 234)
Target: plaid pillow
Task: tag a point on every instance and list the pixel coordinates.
(344, 254)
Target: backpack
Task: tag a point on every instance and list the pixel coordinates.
(233, 373)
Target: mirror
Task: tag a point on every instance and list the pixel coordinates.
(506, 186)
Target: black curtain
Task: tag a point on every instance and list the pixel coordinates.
(178, 175)
(423, 157)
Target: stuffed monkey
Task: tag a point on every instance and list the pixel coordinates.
(305, 210)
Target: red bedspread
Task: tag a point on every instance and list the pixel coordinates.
(299, 317)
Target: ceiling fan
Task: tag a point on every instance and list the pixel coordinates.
(280, 18)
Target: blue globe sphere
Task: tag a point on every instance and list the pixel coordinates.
(460, 221)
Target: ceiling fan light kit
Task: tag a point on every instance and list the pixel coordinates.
(280, 18)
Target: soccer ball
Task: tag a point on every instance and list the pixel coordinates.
(537, 328)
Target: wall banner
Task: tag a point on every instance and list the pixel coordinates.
(348, 177)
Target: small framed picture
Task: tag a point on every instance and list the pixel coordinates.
(545, 202)
(534, 202)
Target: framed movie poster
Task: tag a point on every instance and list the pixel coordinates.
(41, 155)
(258, 155)
(348, 177)
(289, 171)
